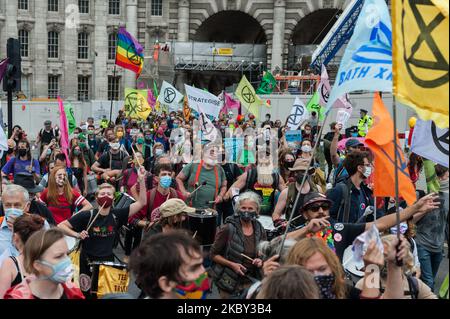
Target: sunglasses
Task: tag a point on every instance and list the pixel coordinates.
(316, 207)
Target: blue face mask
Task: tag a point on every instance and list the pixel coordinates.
(175, 125)
(165, 181)
(61, 272)
(13, 212)
(354, 134)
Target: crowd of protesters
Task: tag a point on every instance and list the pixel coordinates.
(138, 186)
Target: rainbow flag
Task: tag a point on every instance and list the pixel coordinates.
(129, 53)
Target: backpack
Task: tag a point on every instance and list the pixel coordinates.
(172, 194)
(338, 174)
(344, 205)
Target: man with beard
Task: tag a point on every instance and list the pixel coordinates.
(352, 197)
(195, 175)
(261, 180)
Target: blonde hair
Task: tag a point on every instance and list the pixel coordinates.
(306, 248)
(103, 186)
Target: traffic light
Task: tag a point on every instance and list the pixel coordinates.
(12, 78)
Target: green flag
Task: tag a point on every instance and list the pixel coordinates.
(268, 84)
(247, 95)
(314, 106)
(71, 123)
(155, 89)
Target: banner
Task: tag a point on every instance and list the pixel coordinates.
(294, 139)
(228, 102)
(367, 61)
(248, 98)
(71, 123)
(233, 147)
(324, 87)
(112, 280)
(3, 67)
(314, 106)
(380, 140)
(344, 103)
(136, 104)
(299, 114)
(209, 133)
(268, 84)
(170, 96)
(203, 101)
(421, 57)
(431, 142)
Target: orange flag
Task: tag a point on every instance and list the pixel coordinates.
(380, 140)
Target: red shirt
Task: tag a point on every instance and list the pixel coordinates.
(159, 200)
(63, 210)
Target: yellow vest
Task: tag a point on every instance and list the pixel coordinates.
(364, 125)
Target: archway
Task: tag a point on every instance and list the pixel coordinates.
(308, 33)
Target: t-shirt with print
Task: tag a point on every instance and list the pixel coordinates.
(102, 233)
(267, 193)
(15, 165)
(207, 192)
(63, 210)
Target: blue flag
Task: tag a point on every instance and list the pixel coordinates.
(367, 61)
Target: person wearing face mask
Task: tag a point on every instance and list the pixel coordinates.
(139, 145)
(267, 121)
(306, 153)
(157, 151)
(240, 235)
(111, 164)
(307, 132)
(160, 137)
(12, 270)
(124, 139)
(170, 266)
(431, 229)
(48, 133)
(88, 154)
(61, 199)
(286, 200)
(50, 269)
(79, 168)
(98, 241)
(352, 197)
(21, 163)
(93, 142)
(110, 137)
(286, 160)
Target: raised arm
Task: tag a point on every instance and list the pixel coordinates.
(334, 145)
(142, 199)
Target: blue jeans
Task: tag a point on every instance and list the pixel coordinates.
(429, 265)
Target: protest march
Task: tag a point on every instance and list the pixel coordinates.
(188, 194)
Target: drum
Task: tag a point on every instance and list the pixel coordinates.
(109, 277)
(354, 271)
(267, 223)
(203, 225)
(124, 200)
(72, 243)
(92, 183)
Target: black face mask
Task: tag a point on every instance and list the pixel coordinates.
(325, 284)
(247, 216)
(22, 152)
(289, 164)
(299, 178)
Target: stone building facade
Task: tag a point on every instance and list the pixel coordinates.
(67, 44)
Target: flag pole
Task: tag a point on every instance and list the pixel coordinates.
(112, 97)
(297, 199)
(397, 212)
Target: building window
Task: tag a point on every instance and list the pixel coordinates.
(83, 88)
(83, 46)
(114, 6)
(23, 4)
(23, 39)
(113, 88)
(53, 5)
(112, 44)
(53, 38)
(53, 86)
(83, 6)
(156, 8)
(25, 86)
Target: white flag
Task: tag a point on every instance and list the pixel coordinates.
(324, 88)
(209, 131)
(203, 101)
(431, 142)
(3, 139)
(169, 95)
(344, 103)
(299, 114)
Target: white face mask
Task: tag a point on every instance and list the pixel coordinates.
(367, 171)
(306, 148)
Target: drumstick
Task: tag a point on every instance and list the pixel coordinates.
(203, 184)
(134, 155)
(245, 256)
(92, 222)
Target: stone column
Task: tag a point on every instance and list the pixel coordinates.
(183, 21)
(70, 53)
(11, 20)
(39, 38)
(279, 19)
(132, 28)
(100, 83)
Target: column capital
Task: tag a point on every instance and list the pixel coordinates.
(280, 3)
(183, 3)
(132, 3)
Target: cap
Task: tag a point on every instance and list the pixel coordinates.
(48, 122)
(353, 142)
(26, 180)
(174, 206)
(300, 164)
(315, 197)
